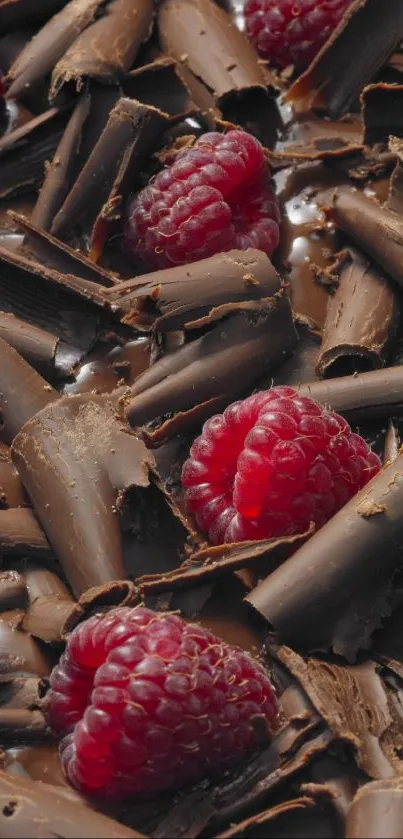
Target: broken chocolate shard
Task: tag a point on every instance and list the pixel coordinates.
(224, 362)
(188, 292)
(309, 140)
(35, 345)
(361, 319)
(377, 810)
(87, 461)
(333, 592)
(382, 106)
(97, 199)
(49, 605)
(107, 48)
(220, 56)
(23, 392)
(24, 151)
(368, 31)
(22, 536)
(161, 85)
(286, 819)
(372, 395)
(13, 591)
(40, 55)
(376, 229)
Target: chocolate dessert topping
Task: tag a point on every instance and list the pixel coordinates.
(23, 392)
(12, 12)
(371, 395)
(21, 535)
(377, 810)
(23, 152)
(13, 590)
(35, 345)
(382, 107)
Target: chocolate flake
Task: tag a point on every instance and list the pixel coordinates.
(24, 151)
(382, 106)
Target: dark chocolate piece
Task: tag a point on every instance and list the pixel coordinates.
(334, 592)
(161, 85)
(369, 31)
(21, 654)
(12, 493)
(382, 106)
(24, 151)
(361, 319)
(21, 535)
(372, 395)
(395, 197)
(35, 345)
(13, 12)
(23, 392)
(108, 47)
(299, 816)
(87, 461)
(392, 444)
(49, 603)
(218, 54)
(377, 230)
(225, 361)
(11, 45)
(187, 292)
(98, 196)
(30, 810)
(61, 172)
(49, 45)
(308, 140)
(13, 591)
(100, 599)
(22, 726)
(377, 810)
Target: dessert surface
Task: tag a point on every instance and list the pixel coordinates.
(201, 402)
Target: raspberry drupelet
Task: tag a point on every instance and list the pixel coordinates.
(271, 465)
(147, 702)
(216, 196)
(291, 32)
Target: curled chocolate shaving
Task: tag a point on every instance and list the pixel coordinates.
(24, 151)
(35, 345)
(162, 85)
(18, 726)
(23, 392)
(361, 319)
(382, 111)
(97, 197)
(377, 810)
(286, 819)
(77, 457)
(372, 395)
(225, 361)
(370, 32)
(334, 592)
(21, 535)
(49, 45)
(21, 654)
(107, 48)
(12, 12)
(188, 292)
(220, 56)
(12, 493)
(100, 599)
(395, 197)
(392, 444)
(49, 603)
(13, 591)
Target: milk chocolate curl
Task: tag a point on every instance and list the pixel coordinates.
(13, 591)
(35, 345)
(21, 535)
(377, 810)
(369, 31)
(12, 493)
(185, 293)
(201, 36)
(361, 319)
(13, 12)
(47, 47)
(77, 460)
(33, 810)
(20, 654)
(97, 197)
(377, 230)
(373, 395)
(334, 591)
(108, 47)
(225, 361)
(49, 603)
(23, 392)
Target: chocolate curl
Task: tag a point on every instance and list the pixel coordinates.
(23, 392)
(372, 395)
(32, 810)
(395, 197)
(188, 292)
(49, 44)
(377, 230)
(289, 817)
(21, 654)
(223, 362)
(35, 345)
(77, 460)
(361, 319)
(162, 85)
(13, 591)
(107, 48)
(12, 493)
(100, 599)
(21, 535)
(369, 31)
(24, 151)
(219, 56)
(49, 603)
(98, 195)
(392, 444)
(382, 106)
(377, 810)
(13, 12)
(334, 592)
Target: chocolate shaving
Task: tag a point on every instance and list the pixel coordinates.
(49, 45)
(49, 603)
(284, 820)
(162, 85)
(372, 395)
(188, 292)
(21, 535)
(392, 444)
(23, 392)
(35, 345)
(220, 56)
(382, 106)
(13, 12)
(369, 31)
(13, 591)
(98, 196)
(377, 810)
(22, 726)
(100, 599)
(361, 320)
(334, 592)
(395, 197)
(21, 654)
(24, 151)
(107, 48)
(225, 361)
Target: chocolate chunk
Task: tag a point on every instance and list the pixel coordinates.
(377, 230)
(87, 461)
(377, 810)
(187, 292)
(23, 392)
(49, 603)
(395, 197)
(12, 493)
(11, 45)
(392, 444)
(225, 361)
(369, 31)
(372, 395)
(361, 319)
(299, 816)
(35, 345)
(98, 196)
(30, 810)
(49, 45)
(21, 535)
(22, 726)
(310, 139)
(161, 85)
(382, 111)
(108, 47)
(20, 653)
(13, 591)
(13, 12)
(334, 592)
(219, 56)
(24, 151)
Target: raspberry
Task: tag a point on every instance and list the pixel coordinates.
(214, 197)
(291, 32)
(146, 702)
(270, 465)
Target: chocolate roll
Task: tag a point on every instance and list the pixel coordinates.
(377, 810)
(20, 654)
(12, 493)
(49, 606)
(22, 536)
(13, 591)
(373, 395)
(23, 392)
(35, 345)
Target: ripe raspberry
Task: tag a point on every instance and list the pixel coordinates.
(147, 702)
(270, 465)
(214, 197)
(292, 31)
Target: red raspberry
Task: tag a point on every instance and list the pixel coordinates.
(216, 196)
(270, 465)
(292, 31)
(147, 702)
